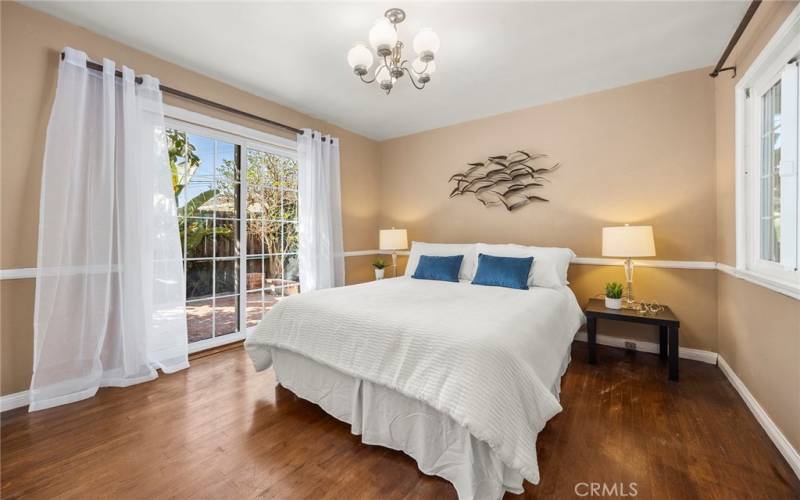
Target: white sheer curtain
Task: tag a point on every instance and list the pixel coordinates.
(321, 252)
(110, 293)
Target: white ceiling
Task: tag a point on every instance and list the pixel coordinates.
(494, 57)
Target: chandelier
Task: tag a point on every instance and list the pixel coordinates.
(391, 65)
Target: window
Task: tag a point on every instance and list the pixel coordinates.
(767, 179)
(237, 208)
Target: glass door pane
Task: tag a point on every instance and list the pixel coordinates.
(272, 230)
(206, 181)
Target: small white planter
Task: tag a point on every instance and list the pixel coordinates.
(379, 274)
(613, 303)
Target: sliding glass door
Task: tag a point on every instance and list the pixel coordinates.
(238, 232)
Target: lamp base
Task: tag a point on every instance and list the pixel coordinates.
(628, 299)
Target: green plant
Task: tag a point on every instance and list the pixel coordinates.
(183, 159)
(614, 290)
(379, 264)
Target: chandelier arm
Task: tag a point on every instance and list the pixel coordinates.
(375, 77)
(413, 82)
(418, 73)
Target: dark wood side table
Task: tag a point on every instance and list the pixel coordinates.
(668, 326)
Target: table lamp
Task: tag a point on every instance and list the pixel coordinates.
(394, 240)
(627, 242)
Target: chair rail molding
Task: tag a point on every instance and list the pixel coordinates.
(18, 273)
(666, 264)
(30, 272)
(591, 261)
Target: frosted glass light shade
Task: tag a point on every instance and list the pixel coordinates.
(382, 34)
(382, 75)
(628, 241)
(359, 55)
(393, 239)
(419, 67)
(426, 42)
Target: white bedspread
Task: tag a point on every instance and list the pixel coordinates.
(488, 357)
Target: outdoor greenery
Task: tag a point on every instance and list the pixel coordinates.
(183, 160)
(270, 219)
(614, 290)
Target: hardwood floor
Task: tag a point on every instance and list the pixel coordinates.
(219, 430)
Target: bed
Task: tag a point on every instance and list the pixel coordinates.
(460, 377)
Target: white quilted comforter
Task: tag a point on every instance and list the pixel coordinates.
(489, 357)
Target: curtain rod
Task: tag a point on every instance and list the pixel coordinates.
(734, 40)
(190, 97)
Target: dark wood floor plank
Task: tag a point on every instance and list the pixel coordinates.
(220, 430)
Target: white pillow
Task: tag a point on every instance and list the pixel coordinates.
(550, 264)
(467, 271)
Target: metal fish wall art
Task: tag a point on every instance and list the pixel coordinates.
(509, 180)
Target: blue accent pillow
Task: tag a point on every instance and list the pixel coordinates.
(438, 268)
(509, 272)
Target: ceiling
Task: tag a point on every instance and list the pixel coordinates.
(494, 57)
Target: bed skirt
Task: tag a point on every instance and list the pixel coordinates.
(381, 416)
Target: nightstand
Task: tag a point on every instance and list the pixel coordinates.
(668, 326)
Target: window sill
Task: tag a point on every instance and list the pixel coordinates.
(789, 289)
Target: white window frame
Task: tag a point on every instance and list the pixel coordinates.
(765, 70)
(246, 138)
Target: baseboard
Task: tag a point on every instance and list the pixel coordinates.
(651, 347)
(16, 400)
(784, 446)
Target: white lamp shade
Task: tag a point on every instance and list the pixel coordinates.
(382, 34)
(393, 239)
(426, 41)
(359, 55)
(628, 241)
(421, 69)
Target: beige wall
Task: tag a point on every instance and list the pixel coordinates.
(31, 42)
(759, 330)
(759, 337)
(642, 153)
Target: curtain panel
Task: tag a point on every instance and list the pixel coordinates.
(110, 292)
(321, 250)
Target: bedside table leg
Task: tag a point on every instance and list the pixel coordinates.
(662, 342)
(673, 353)
(591, 334)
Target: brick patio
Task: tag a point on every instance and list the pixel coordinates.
(199, 315)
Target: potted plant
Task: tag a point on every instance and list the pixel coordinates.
(614, 295)
(379, 265)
